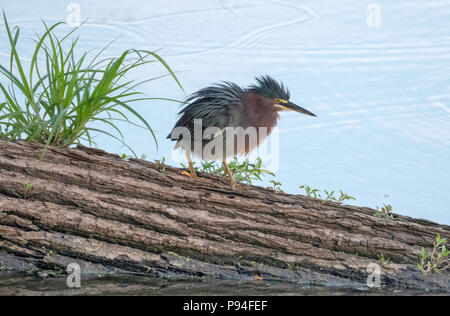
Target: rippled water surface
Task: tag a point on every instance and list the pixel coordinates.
(381, 93)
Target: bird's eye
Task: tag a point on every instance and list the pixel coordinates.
(280, 101)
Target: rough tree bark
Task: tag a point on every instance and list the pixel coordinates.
(87, 206)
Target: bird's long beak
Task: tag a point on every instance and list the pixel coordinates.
(294, 107)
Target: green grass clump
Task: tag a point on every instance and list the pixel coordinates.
(324, 195)
(243, 171)
(160, 164)
(57, 95)
(384, 212)
(437, 260)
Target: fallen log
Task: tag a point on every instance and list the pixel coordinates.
(108, 214)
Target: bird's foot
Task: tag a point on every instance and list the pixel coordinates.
(236, 186)
(190, 175)
(187, 174)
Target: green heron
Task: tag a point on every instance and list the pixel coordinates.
(222, 106)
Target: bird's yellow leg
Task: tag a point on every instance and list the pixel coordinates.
(233, 183)
(192, 170)
(230, 175)
(192, 173)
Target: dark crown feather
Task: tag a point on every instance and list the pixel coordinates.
(270, 88)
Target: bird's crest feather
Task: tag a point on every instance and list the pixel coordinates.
(270, 88)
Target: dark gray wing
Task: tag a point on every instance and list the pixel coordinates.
(212, 105)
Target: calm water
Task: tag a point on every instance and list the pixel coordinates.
(379, 83)
(18, 284)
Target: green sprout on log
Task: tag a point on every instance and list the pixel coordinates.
(384, 212)
(327, 196)
(437, 260)
(161, 164)
(26, 188)
(276, 186)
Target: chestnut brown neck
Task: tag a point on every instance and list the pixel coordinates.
(259, 110)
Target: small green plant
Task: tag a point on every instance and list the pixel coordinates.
(244, 171)
(310, 192)
(69, 96)
(328, 196)
(161, 164)
(437, 260)
(144, 157)
(26, 188)
(247, 172)
(124, 156)
(382, 259)
(343, 196)
(384, 212)
(276, 186)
